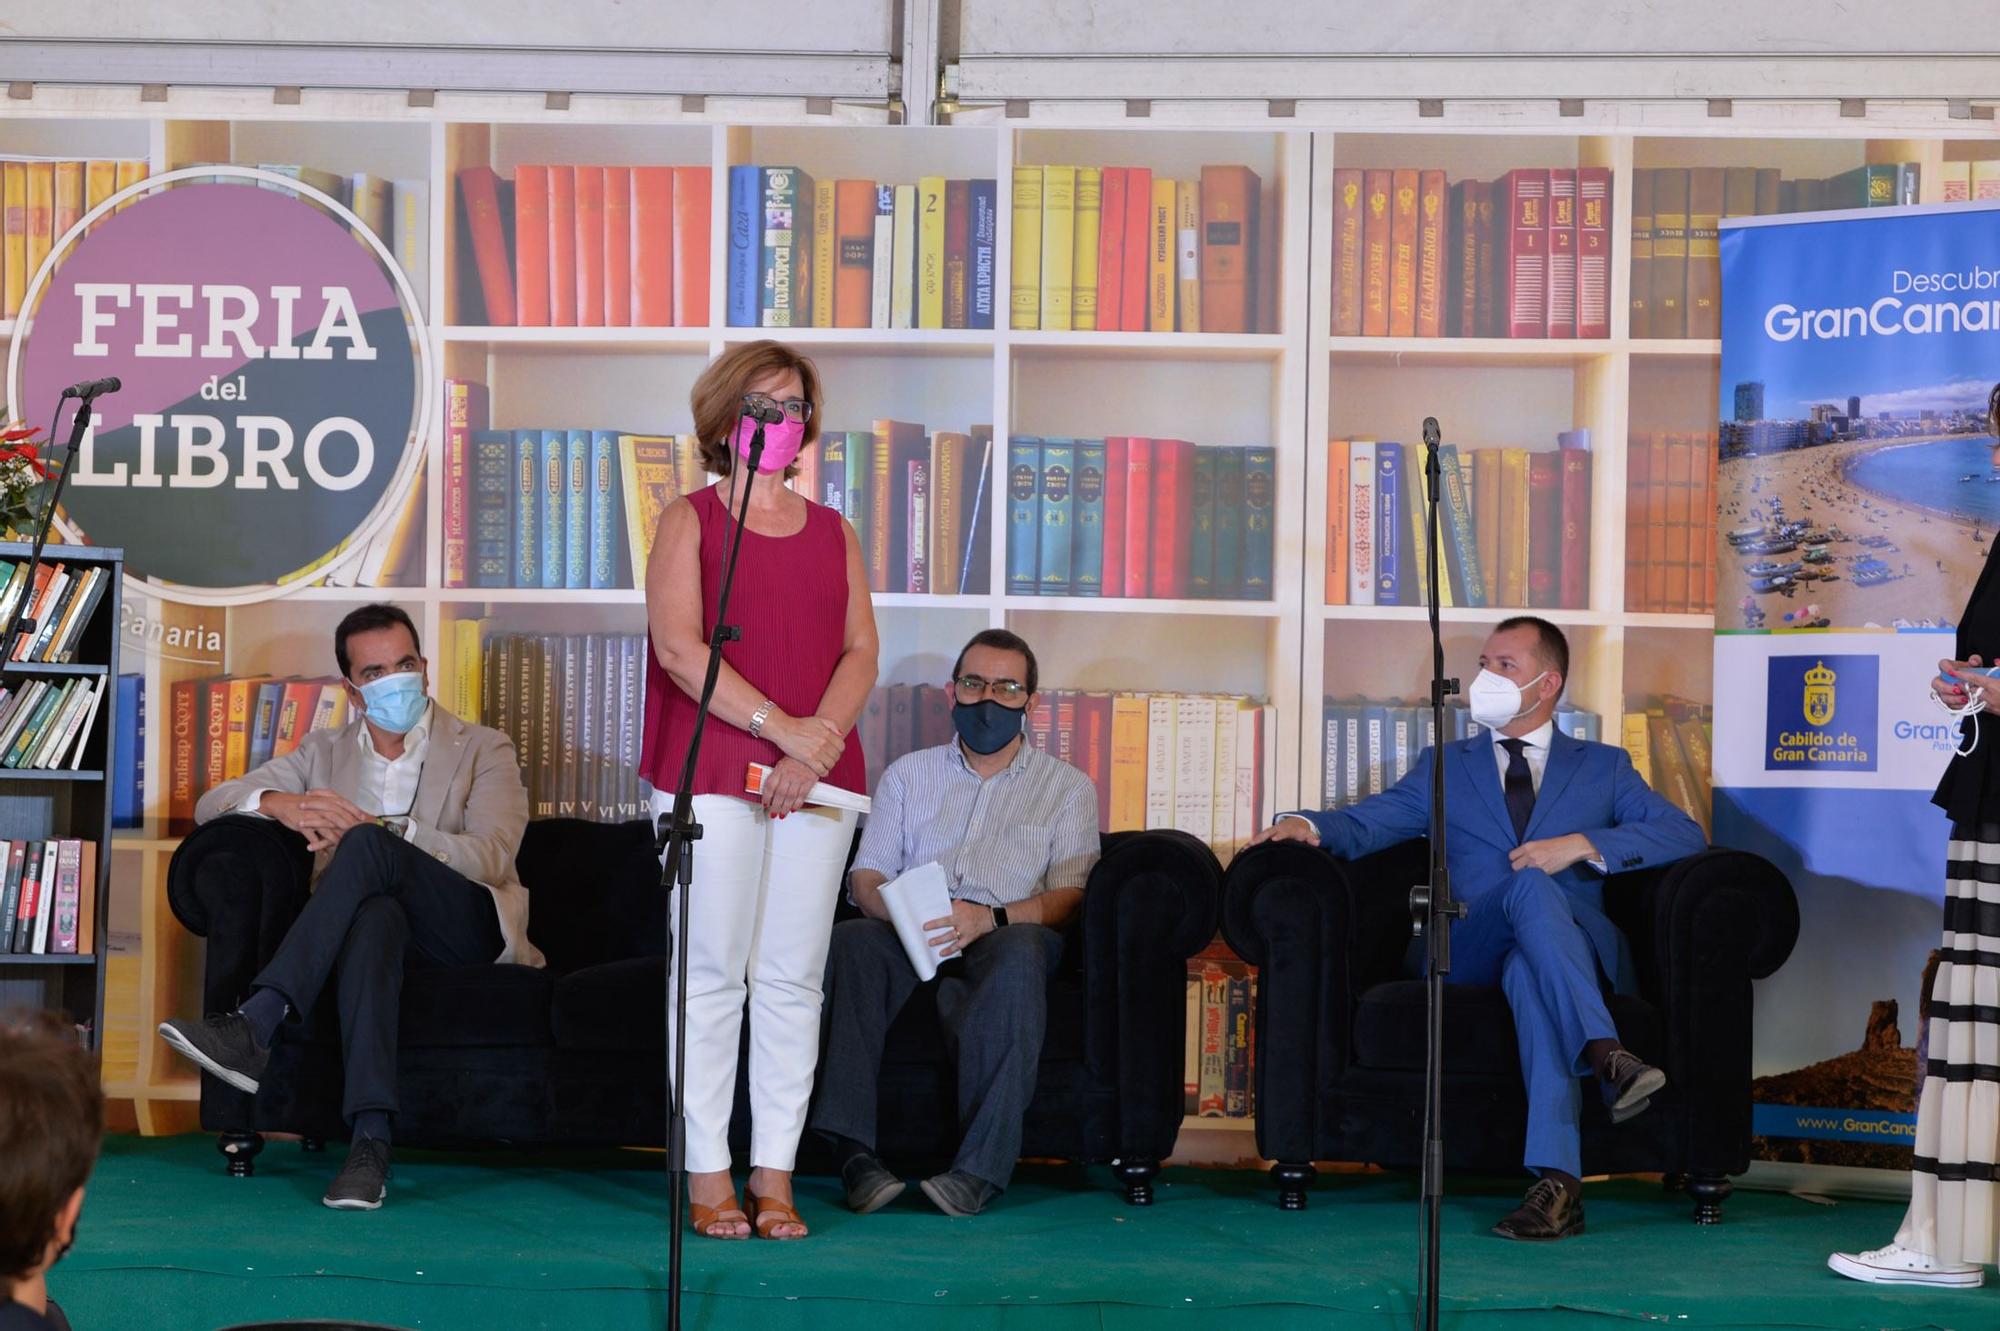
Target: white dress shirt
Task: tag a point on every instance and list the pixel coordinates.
(1536, 751)
(388, 785)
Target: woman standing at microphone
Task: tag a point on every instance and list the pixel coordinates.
(767, 869)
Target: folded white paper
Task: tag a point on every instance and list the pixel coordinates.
(921, 894)
(831, 797)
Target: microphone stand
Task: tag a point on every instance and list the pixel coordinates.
(1432, 911)
(676, 834)
(19, 623)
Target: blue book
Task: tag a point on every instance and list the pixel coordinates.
(1465, 573)
(746, 228)
(1058, 467)
(1229, 501)
(605, 547)
(1201, 526)
(1086, 559)
(492, 513)
(550, 509)
(1024, 514)
(127, 756)
(264, 722)
(524, 512)
(1389, 524)
(787, 199)
(1260, 502)
(985, 231)
(1374, 742)
(576, 511)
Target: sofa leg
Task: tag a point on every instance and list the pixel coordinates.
(240, 1150)
(313, 1145)
(1674, 1182)
(1292, 1181)
(1137, 1176)
(1709, 1191)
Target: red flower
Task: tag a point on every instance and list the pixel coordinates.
(14, 433)
(25, 453)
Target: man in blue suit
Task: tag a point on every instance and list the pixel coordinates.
(1537, 819)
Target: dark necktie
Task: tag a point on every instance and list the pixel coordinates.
(1520, 785)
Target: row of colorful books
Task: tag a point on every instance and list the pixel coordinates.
(1514, 525)
(1221, 1035)
(917, 502)
(859, 253)
(1670, 523)
(40, 200)
(1370, 746)
(48, 897)
(222, 727)
(1129, 516)
(1120, 249)
(584, 246)
(574, 705)
(1671, 743)
(60, 606)
(1525, 255)
(46, 723)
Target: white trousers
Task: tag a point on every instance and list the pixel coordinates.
(759, 921)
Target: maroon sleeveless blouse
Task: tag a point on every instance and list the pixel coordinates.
(790, 601)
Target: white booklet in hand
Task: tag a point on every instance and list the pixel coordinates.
(918, 896)
(830, 797)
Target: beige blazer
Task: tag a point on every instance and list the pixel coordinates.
(470, 809)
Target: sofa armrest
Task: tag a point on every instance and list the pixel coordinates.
(1149, 905)
(239, 882)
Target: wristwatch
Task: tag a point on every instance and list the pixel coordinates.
(999, 917)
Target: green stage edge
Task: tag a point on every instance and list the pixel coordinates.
(527, 1239)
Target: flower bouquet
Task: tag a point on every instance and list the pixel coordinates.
(22, 475)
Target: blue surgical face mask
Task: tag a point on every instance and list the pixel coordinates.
(395, 702)
(987, 726)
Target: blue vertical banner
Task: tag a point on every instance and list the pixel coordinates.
(1856, 501)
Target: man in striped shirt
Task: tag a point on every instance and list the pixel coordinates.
(1015, 831)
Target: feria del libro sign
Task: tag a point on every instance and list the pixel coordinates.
(276, 380)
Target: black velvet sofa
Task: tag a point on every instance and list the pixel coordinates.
(575, 1053)
(1340, 1029)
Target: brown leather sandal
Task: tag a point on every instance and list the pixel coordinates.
(767, 1214)
(703, 1219)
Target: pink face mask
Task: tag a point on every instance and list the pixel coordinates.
(781, 443)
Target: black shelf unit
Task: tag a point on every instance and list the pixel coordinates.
(36, 804)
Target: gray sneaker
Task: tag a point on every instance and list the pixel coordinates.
(223, 1045)
(363, 1181)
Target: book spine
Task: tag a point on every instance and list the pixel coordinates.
(1670, 253)
(1201, 505)
(1260, 506)
(479, 189)
(1527, 253)
(917, 569)
(491, 564)
(1402, 253)
(1117, 454)
(1388, 524)
(1160, 720)
(745, 244)
(1641, 303)
(1514, 528)
(1111, 250)
(524, 504)
(1361, 522)
(1636, 455)
(603, 509)
(531, 245)
(1544, 530)
(1574, 557)
(1087, 528)
(688, 272)
(1231, 516)
(1559, 304)
(1084, 276)
(1059, 203)
(1024, 515)
(903, 267)
(1704, 252)
(1462, 277)
(957, 250)
(1026, 277)
(1658, 451)
(574, 498)
(69, 867)
(465, 411)
(881, 290)
(1335, 592)
(1212, 1095)
(1187, 255)
(562, 242)
(1133, 291)
(947, 480)
(589, 247)
(1139, 517)
(1058, 467)
(1679, 524)
(1469, 587)
(930, 252)
(1347, 251)
(883, 493)
(1375, 228)
(1431, 220)
(551, 509)
(1173, 517)
(984, 249)
(1593, 245)
(617, 243)
(824, 242)
(853, 252)
(1492, 278)
(787, 248)
(1161, 255)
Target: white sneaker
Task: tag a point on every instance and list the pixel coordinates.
(1897, 1265)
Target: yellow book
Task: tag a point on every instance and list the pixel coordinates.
(1419, 506)
(1160, 259)
(470, 674)
(1027, 274)
(823, 242)
(131, 171)
(236, 739)
(1513, 527)
(14, 202)
(1187, 246)
(1058, 246)
(1089, 218)
(41, 214)
(69, 199)
(1486, 518)
(930, 252)
(100, 182)
(1128, 762)
(688, 465)
(1638, 743)
(649, 480)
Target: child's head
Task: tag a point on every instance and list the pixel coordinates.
(51, 1121)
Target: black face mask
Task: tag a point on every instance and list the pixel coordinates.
(987, 726)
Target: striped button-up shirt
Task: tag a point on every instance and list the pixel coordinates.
(1029, 828)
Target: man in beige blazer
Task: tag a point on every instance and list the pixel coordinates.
(414, 818)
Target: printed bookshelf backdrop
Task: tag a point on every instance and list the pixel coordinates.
(1854, 502)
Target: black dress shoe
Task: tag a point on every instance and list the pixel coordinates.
(1548, 1212)
(870, 1186)
(363, 1181)
(1630, 1085)
(958, 1194)
(223, 1045)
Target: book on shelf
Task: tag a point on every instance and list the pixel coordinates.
(573, 704)
(48, 897)
(1367, 746)
(1670, 743)
(1670, 545)
(1221, 1055)
(128, 754)
(1188, 521)
(215, 724)
(60, 603)
(41, 200)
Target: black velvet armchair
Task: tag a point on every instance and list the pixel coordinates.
(576, 1052)
(1341, 1028)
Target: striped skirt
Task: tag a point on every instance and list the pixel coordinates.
(1954, 1188)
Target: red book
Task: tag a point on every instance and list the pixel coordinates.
(1111, 263)
(589, 221)
(1402, 253)
(1593, 251)
(531, 246)
(481, 189)
(183, 746)
(854, 253)
(957, 248)
(691, 205)
(1375, 279)
(1573, 578)
(562, 246)
(1138, 514)
(1432, 225)
(1138, 225)
(1559, 305)
(618, 246)
(1638, 450)
(652, 246)
(464, 412)
(1544, 529)
(1173, 515)
(1116, 451)
(1525, 265)
(1093, 728)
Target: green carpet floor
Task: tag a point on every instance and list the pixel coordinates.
(503, 1240)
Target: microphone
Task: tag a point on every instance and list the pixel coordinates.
(1430, 432)
(91, 388)
(764, 413)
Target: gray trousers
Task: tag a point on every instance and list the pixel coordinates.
(993, 1006)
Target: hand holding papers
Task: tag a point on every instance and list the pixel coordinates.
(918, 896)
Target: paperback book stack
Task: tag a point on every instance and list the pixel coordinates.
(1670, 523)
(574, 705)
(1370, 746)
(48, 897)
(1221, 1034)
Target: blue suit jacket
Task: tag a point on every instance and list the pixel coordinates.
(1587, 788)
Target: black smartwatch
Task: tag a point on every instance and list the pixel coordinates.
(999, 917)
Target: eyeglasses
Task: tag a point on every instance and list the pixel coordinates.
(795, 408)
(971, 688)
